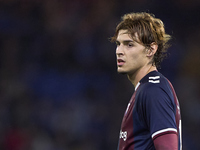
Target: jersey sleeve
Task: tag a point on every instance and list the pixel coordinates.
(157, 110)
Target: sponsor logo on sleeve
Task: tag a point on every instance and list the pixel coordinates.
(123, 135)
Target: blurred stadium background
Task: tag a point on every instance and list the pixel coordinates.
(59, 89)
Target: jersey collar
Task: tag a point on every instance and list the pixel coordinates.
(138, 84)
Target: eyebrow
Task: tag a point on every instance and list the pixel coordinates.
(125, 41)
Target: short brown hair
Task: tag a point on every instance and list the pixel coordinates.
(149, 29)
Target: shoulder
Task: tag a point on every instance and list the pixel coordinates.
(153, 84)
(154, 87)
(149, 91)
(154, 81)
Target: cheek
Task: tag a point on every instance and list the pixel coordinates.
(137, 60)
(134, 58)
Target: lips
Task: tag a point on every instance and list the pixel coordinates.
(120, 62)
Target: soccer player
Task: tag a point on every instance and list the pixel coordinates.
(152, 119)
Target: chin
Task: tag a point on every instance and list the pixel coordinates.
(121, 71)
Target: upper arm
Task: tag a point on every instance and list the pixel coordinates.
(166, 142)
(158, 111)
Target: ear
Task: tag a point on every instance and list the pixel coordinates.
(152, 50)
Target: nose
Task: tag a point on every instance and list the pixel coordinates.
(119, 50)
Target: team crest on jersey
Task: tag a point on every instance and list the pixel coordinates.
(155, 79)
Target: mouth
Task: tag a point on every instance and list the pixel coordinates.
(120, 62)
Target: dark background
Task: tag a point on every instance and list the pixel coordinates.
(59, 89)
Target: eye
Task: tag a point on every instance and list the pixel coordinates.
(117, 43)
(130, 45)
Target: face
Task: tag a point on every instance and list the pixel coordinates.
(131, 56)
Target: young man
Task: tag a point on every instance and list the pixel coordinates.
(152, 118)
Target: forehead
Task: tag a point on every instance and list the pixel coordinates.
(125, 35)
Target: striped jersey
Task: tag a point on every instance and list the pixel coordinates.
(153, 111)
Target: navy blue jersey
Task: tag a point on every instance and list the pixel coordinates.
(152, 111)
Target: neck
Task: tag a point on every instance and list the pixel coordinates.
(136, 77)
